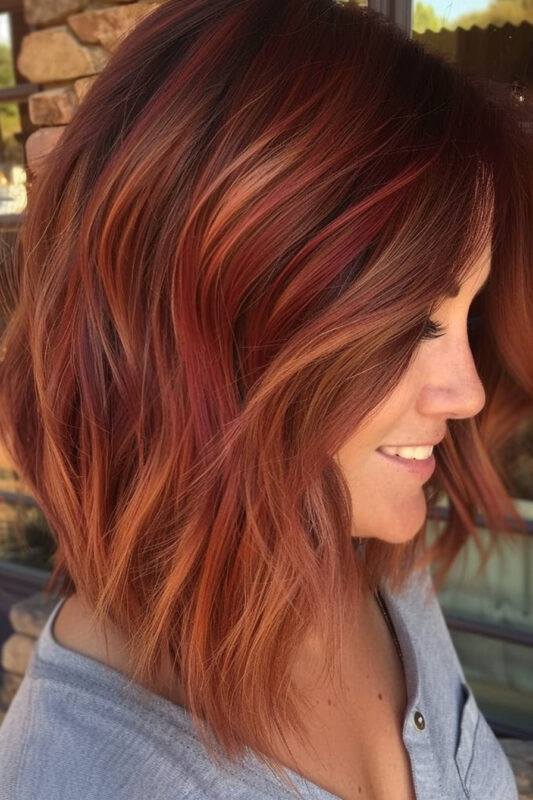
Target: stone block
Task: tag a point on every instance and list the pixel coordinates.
(39, 144)
(53, 107)
(9, 683)
(50, 12)
(108, 26)
(82, 86)
(56, 55)
(16, 653)
(28, 616)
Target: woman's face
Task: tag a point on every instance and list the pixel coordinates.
(440, 383)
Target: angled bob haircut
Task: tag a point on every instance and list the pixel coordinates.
(226, 264)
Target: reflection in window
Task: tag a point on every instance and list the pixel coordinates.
(486, 38)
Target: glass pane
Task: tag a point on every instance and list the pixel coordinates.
(12, 171)
(490, 39)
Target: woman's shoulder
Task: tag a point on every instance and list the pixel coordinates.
(78, 728)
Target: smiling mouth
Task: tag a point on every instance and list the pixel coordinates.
(419, 453)
(421, 468)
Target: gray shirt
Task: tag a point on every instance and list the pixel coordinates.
(79, 729)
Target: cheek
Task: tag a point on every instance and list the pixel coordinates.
(386, 503)
(386, 426)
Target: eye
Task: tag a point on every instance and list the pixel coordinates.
(434, 329)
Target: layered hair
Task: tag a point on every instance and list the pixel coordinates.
(225, 266)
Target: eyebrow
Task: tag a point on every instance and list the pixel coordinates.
(455, 288)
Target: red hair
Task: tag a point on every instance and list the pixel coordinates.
(225, 266)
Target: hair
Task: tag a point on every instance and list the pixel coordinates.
(226, 264)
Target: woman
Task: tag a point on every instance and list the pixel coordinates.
(278, 243)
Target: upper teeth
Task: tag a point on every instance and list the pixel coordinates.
(408, 452)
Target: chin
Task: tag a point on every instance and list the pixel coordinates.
(395, 528)
(401, 538)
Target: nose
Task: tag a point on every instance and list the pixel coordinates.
(453, 388)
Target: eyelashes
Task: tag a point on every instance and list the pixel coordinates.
(434, 330)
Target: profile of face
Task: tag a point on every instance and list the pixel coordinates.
(440, 383)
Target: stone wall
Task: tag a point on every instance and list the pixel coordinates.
(27, 618)
(72, 43)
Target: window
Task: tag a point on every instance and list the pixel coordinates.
(492, 39)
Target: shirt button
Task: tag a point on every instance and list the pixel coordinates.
(420, 722)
